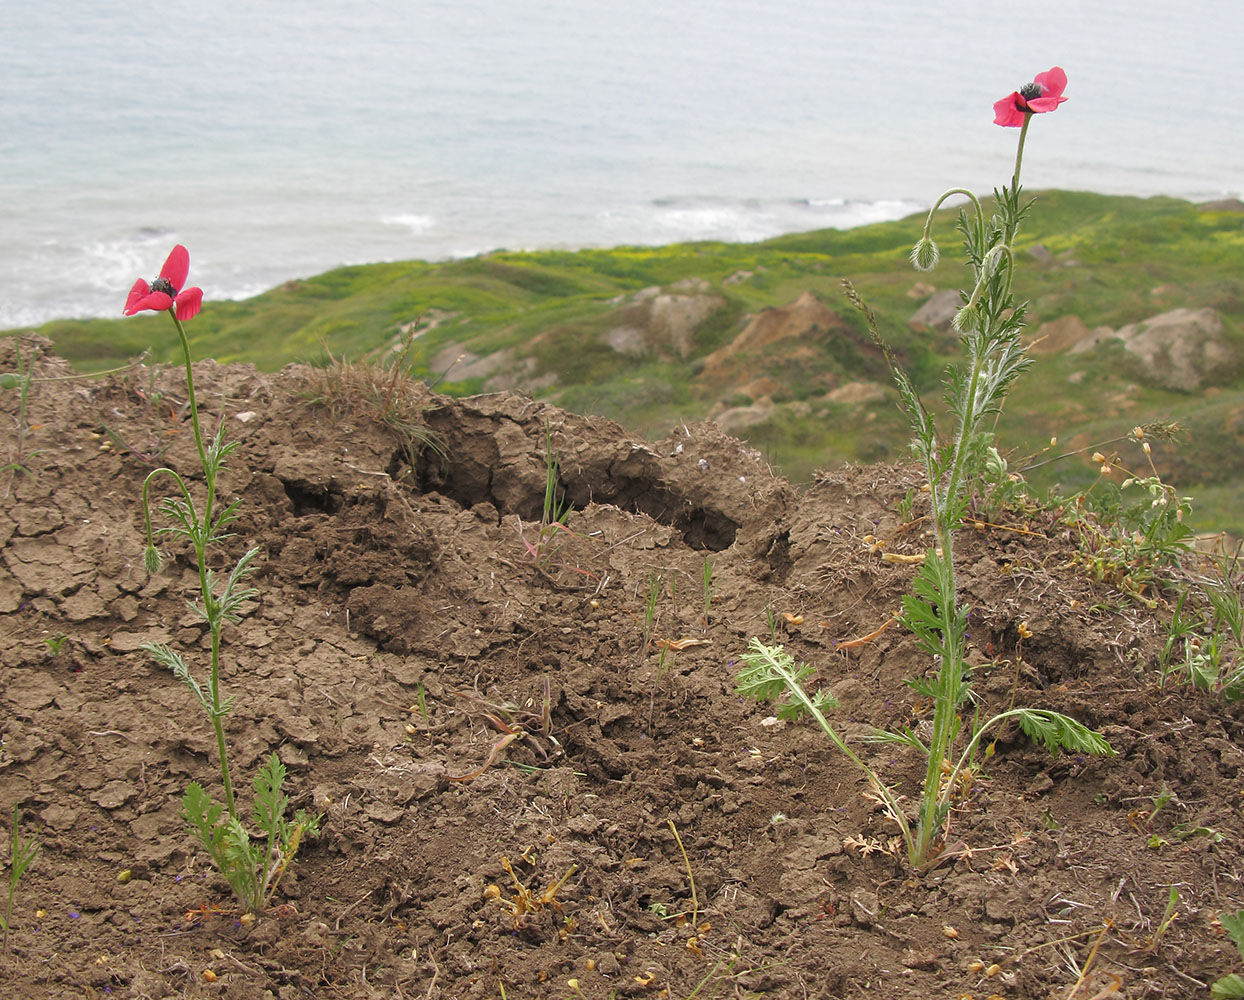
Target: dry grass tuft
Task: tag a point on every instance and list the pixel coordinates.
(381, 392)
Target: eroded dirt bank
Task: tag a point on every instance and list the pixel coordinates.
(381, 582)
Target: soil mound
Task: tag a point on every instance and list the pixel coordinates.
(496, 720)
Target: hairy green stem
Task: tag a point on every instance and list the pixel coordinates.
(208, 471)
(944, 504)
(928, 222)
(1019, 151)
(181, 485)
(218, 715)
(200, 535)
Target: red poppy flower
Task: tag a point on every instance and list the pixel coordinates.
(166, 292)
(1045, 93)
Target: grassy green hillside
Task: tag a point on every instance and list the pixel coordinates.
(578, 328)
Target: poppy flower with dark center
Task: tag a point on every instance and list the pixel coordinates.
(166, 292)
(1045, 93)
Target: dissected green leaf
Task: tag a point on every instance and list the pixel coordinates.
(203, 817)
(905, 737)
(172, 660)
(270, 803)
(1057, 732)
(243, 865)
(769, 674)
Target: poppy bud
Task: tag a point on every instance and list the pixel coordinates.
(966, 319)
(924, 255)
(152, 559)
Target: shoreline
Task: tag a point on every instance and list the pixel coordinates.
(105, 269)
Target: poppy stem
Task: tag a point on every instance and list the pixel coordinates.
(928, 222)
(200, 535)
(1019, 152)
(194, 408)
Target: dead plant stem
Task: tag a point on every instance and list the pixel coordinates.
(695, 905)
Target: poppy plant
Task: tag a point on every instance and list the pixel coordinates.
(166, 292)
(1045, 93)
(199, 517)
(990, 324)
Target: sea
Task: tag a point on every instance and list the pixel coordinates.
(279, 139)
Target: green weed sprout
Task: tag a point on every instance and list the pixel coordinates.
(989, 325)
(656, 584)
(771, 621)
(252, 875)
(1224, 598)
(555, 507)
(1207, 669)
(709, 587)
(56, 642)
(22, 852)
(1232, 986)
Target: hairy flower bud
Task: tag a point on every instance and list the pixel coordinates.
(967, 319)
(152, 559)
(924, 255)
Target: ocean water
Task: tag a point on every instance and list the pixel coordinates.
(278, 140)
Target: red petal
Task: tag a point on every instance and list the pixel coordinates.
(1053, 83)
(1007, 111)
(140, 291)
(176, 267)
(158, 301)
(189, 303)
(1043, 104)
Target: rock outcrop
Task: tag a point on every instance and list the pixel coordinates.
(1183, 349)
(655, 321)
(806, 315)
(1061, 334)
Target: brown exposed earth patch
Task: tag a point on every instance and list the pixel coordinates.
(384, 581)
(806, 317)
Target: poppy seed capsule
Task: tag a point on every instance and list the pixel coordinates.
(1031, 91)
(163, 285)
